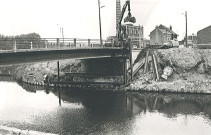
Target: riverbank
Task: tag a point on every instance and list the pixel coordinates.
(191, 72)
(39, 73)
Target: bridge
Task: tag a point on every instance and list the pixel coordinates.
(47, 49)
(95, 58)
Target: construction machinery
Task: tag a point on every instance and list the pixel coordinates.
(121, 33)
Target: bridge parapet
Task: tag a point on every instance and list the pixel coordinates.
(29, 44)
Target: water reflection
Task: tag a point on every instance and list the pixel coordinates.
(6, 78)
(170, 104)
(92, 112)
(130, 104)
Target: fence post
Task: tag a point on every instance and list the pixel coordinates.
(88, 42)
(14, 45)
(46, 45)
(74, 42)
(57, 42)
(146, 61)
(31, 46)
(155, 67)
(38, 43)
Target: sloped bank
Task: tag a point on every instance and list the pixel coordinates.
(36, 73)
(46, 73)
(191, 71)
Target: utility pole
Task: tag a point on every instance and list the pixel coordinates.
(186, 29)
(101, 43)
(61, 31)
(63, 35)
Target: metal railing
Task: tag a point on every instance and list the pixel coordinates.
(27, 44)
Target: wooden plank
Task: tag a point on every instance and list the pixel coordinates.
(155, 67)
(146, 62)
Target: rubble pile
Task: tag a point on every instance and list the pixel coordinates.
(191, 71)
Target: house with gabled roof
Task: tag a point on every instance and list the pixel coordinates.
(162, 34)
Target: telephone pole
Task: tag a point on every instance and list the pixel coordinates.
(186, 29)
(101, 42)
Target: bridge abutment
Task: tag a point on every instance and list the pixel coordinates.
(100, 70)
(107, 66)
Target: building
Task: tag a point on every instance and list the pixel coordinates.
(146, 42)
(135, 32)
(192, 40)
(161, 35)
(204, 36)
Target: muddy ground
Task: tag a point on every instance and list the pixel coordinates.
(191, 71)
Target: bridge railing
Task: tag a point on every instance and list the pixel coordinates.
(22, 44)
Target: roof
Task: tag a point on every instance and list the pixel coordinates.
(165, 31)
(204, 28)
(163, 28)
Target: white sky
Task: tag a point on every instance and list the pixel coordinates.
(79, 18)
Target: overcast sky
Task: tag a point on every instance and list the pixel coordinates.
(79, 18)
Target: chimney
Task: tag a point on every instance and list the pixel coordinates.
(170, 27)
(118, 12)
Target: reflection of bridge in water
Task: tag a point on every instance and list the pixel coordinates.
(135, 103)
(129, 104)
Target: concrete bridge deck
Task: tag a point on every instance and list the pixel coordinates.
(27, 56)
(97, 58)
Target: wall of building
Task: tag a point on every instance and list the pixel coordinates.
(156, 37)
(204, 36)
(136, 34)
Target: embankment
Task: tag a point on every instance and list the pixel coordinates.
(191, 71)
(37, 73)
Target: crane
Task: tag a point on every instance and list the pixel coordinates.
(129, 18)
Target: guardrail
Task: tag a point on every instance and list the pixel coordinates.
(50, 43)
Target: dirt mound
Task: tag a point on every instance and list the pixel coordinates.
(191, 71)
(206, 54)
(183, 58)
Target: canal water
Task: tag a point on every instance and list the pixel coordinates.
(34, 108)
